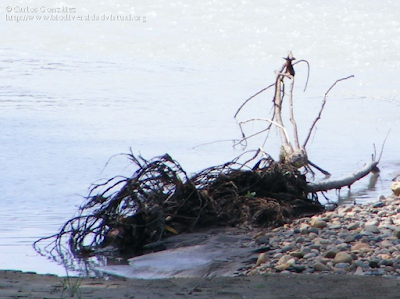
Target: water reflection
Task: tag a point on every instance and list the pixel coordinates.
(348, 196)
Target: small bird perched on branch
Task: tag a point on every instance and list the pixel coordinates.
(289, 66)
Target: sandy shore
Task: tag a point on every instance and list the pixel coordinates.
(14, 284)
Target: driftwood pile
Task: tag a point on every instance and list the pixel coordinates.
(160, 200)
(131, 215)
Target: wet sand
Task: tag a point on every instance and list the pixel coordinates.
(15, 284)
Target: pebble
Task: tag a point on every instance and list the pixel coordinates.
(395, 187)
(331, 253)
(354, 239)
(359, 271)
(335, 226)
(386, 262)
(353, 226)
(374, 263)
(342, 265)
(386, 244)
(299, 268)
(318, 223)
(284, 259)
(360, 247)
(361, 264)
(396, 233)
(350, 239)
(378, 204)
(300, 240)
(342, 257)
(313, 230)
(262, 258)
(304, 229)
(309, 255)
(286, 248)
(321, 267)
(262, 240)
(298, 254)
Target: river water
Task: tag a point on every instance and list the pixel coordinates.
(75, 92)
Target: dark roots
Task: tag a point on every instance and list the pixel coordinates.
(160, 199)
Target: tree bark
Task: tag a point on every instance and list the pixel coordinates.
(344, 181)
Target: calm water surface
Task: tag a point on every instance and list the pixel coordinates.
(72, 95)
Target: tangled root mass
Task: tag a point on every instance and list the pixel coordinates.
(160, 199)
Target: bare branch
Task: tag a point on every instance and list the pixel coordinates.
(244, 138)
(383, 145)
(278, 116)
(308, 71)
(322, 108)
(319, 168)
(286, 71)
(240, 108)
(268, 120)
(214, 142)
(292, 120)
(343, 182)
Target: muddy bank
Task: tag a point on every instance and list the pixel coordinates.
(25, 285)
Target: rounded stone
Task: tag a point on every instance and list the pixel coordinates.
(361, 247)
(342, 265)
(300, 240)
(320, 267)
(374, 263)
(372, 222)
(313, 230)
(353, 226)
(309, 255)
(377, 239)
(330, 232)
(288, 233)
(349, 239)
(285, 266)
(359, 271)
(307, 249)
(318, 223)
(284, 259)
(382, 213)
(312, 236)
(387, 262)
(342, 257)
(342, 246)
(286, 248)
(378, 204)
(335, 226)
(285, 272)
(396, 232)
(371, 228)
(304, 228)
(262, 240)
(386, 244)
(298, 268)
(298, 254)
(361, 264)
(395, 187)
(331, 253)
(339, 271)
(262, 258)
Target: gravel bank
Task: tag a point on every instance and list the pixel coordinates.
(357, 239)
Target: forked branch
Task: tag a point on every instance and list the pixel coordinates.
(322, 108)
